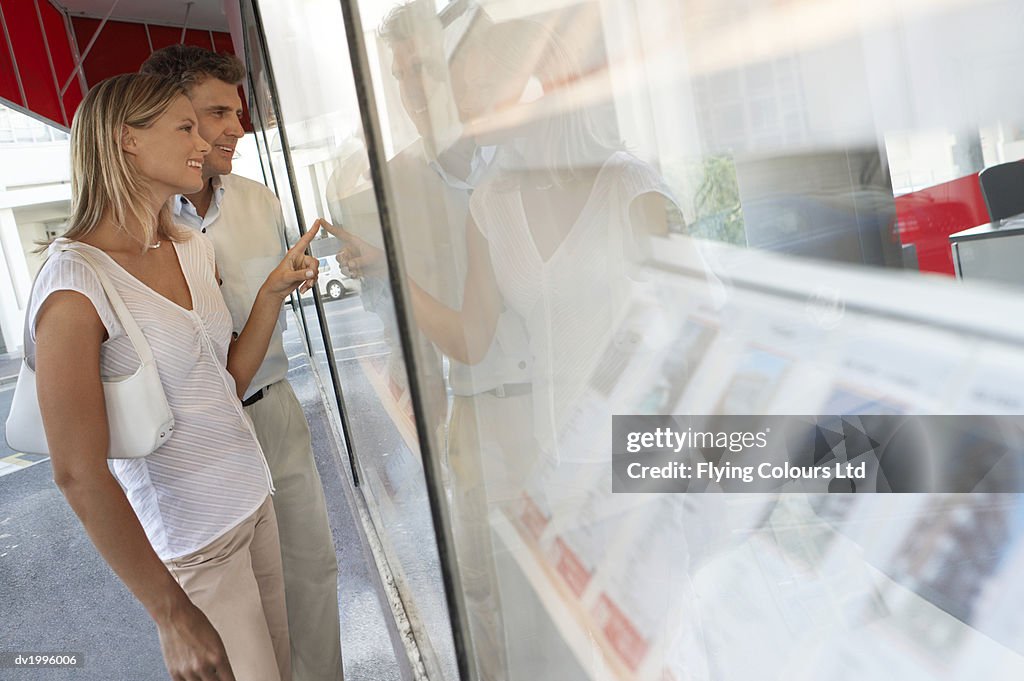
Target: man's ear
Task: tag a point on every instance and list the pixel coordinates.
(129, 143)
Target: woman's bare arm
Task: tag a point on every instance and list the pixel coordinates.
(249, 350)
(69, 334)
(465, 334)
(648, 215)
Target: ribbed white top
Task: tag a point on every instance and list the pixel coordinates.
(211, 474)
(573, 301)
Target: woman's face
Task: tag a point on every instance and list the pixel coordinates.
(169, 153)
(483, 85)
(488, 94)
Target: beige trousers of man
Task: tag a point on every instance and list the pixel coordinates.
(307, 548)
(236, 581)
(490, 450)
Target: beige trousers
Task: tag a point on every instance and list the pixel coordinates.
(307, 548)
(236, 581)
(490, 450)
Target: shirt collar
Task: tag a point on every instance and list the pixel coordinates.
(482, 157)
(181, 203)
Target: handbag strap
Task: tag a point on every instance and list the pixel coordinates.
(128, 322)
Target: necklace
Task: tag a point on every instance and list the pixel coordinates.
(156, 245)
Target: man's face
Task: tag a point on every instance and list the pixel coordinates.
(417, 82)
(218, 110)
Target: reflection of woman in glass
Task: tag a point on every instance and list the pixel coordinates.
(557, 225)
(190, 529)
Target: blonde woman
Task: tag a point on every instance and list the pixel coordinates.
(193, 533)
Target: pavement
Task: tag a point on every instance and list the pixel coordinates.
(10, 365)
(58, 595)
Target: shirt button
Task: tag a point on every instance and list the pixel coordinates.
(204, 230)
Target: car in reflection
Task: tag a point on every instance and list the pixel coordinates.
(333, 283)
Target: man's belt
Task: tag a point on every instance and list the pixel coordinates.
(511, 390)
(256, 396)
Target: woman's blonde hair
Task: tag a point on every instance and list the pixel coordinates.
(102, 180)
(569, 138)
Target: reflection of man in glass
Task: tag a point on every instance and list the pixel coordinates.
(489, 436)
(422, 207)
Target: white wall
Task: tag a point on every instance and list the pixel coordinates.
(35, 190)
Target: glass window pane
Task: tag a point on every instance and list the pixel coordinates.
(710, 209)
(322, 136)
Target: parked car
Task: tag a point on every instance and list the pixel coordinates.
(334, 283)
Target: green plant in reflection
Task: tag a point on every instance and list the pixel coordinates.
(717, 203)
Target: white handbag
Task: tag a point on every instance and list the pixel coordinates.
(138, 415)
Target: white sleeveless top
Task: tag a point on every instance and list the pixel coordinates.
(574, 301)
(211, 474)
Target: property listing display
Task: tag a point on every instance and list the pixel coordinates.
(771, 537)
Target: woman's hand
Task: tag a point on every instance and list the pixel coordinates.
(296, 270)
(192, 648)
(358, 258)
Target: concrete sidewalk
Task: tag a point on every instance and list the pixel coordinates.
(10, 365)
(58, 595)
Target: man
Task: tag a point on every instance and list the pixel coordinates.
(244, 220)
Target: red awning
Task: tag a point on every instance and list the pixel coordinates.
(43, 41)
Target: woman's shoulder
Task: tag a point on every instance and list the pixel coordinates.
(70, 266)
(633, 176)
(623, 164)
(68, 260)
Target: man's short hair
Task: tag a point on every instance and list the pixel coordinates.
(189, 66)
(409, 21)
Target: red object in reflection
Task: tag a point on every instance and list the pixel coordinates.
(624, 637)
(927, 217)
(532, 518)
(572, 569)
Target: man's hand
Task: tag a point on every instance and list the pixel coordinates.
(358, 258)
(296, 270)
(192, 648)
